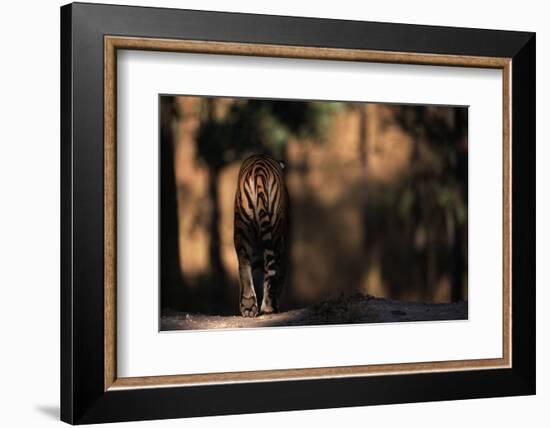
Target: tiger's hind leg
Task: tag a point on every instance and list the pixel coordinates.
(274, 278)
(248, 302)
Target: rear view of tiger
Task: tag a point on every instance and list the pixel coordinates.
(260, 232)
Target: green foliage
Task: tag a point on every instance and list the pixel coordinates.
(445, 187)
(232, 128)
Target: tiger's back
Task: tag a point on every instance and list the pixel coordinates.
(260, 231)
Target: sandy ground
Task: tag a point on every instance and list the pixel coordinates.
(358, 309)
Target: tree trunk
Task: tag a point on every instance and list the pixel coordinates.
(219, 276)
(458, 264)
(460, 230)
(170, 271)
(363, 138)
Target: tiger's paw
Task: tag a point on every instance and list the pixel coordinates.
(249, 307)
(268, 308)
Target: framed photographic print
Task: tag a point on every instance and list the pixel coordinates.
(265, 213)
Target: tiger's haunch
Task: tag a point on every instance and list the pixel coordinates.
(260, 232)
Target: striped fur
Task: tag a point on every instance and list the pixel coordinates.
(260, 232)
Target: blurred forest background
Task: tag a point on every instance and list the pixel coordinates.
(378, 198)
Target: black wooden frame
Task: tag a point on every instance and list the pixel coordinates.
(83, 399)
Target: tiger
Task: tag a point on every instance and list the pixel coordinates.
(261, 232)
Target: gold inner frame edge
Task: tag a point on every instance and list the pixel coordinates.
(113, 43)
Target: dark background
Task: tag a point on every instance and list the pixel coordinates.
(378, 195)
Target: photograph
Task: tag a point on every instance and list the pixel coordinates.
(281, 212)
(260, 211)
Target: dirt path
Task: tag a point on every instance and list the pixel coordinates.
(357, 309)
